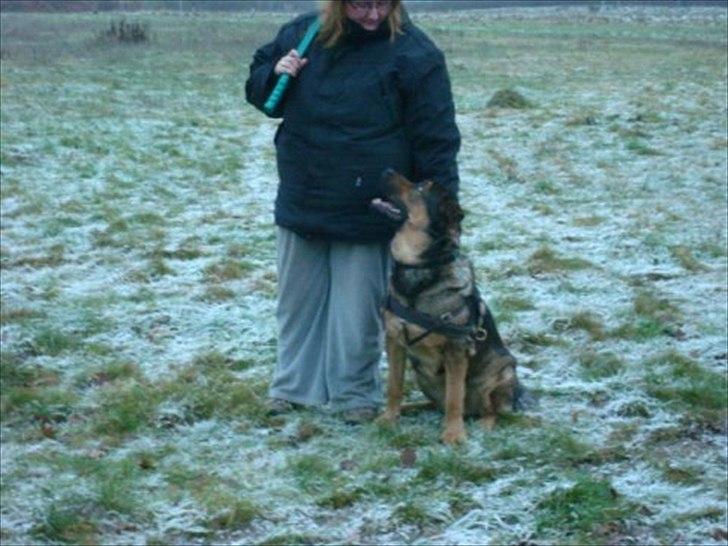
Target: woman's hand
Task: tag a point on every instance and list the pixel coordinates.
(290, 64)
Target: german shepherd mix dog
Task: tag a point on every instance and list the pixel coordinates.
(435, 317)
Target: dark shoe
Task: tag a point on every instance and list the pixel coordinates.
(359, 416)
(278, 406)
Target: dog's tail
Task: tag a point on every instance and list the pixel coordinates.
(524, 399)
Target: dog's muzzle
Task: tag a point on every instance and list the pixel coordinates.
(388, 209)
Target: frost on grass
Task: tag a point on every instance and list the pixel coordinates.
(138, 292)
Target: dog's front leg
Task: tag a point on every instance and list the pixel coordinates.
(396, 361)
(456, 368)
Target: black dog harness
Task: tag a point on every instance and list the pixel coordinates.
(472, 330)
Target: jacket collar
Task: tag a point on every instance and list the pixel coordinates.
(355, 33)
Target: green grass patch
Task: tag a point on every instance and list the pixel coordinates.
(93, 321)
(655, 316)
(227, 270)
(675, 378)
(589, 221)
(209, 389)
(681, 475)
(239, 250)
(341, 498)
(313, 472)
(634, 408)
(121, 234)
(460, 503)
(505, 308)
(217, 293)
(543, 208)
(112, 486)
(540, 445)
(532, 342)
(19, 315)
(54, 257)
(226, 510)
(546, 260)
(639, 330)
(16, 372)
(147, 219)
(181, 476)
(290, 539)
(215, 361)
(382, 461)
(413, 513)
(52, 341)
(440, 464)
(406, 435)
(598, 365)
(125, 408)
(68, 521)
(519, 421)
(187, 250)
(711, 513)
(546, 187)
(588, 322)
(507, 165)
(714, 249)
(32, 392)
(580, 509)
(582, 119)
(109, 373)
(44, 404)
(686, 259)
(115, 487)
(639, 147)
(158, 267)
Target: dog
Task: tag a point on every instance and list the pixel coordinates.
(434, 315)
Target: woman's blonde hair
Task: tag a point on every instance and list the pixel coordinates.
(334, 17)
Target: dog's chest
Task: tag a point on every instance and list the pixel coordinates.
(425, 354)
(412, 281)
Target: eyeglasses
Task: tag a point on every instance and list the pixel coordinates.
(366, 5)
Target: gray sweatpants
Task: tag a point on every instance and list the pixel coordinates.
(329, 325)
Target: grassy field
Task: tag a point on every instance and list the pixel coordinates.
(138, 292)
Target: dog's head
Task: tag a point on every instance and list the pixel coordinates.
(430, 217)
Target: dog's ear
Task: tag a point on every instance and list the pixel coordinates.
(449, 212)
(450, 209)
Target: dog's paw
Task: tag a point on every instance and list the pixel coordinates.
(388, 418)
(488, 422)
(454, 435)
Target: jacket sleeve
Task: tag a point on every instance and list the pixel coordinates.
(429, 121)
(262, 79)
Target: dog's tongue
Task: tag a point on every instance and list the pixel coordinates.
(386, 208)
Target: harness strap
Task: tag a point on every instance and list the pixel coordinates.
(440, 325)
(411, 342)
(446, 260)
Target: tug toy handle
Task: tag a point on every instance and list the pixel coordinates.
(284, 79)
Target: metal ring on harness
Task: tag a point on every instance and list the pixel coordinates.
(481, 334)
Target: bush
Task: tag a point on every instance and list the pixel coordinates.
(127, 33)
(509, 98)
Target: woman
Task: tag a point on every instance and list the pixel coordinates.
(372, 92)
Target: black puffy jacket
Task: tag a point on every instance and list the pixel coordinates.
(354, 110)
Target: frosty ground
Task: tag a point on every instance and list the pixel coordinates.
(138, 291)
